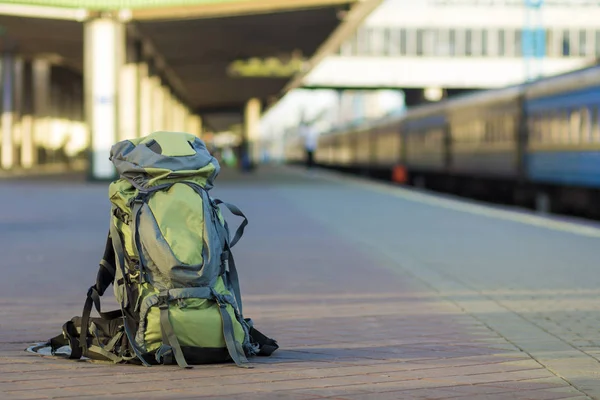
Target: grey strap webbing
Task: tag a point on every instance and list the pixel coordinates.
(233, 347)
(168, 336)
(235, 211)
(119, 252)
(136, 207)
(99, 350)
(233, 275)
(135, 221)
(234, 280)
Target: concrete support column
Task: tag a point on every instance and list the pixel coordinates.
(167, 108)
(145, 101)
(179, 121)
(181, 117)
(104, 47)
(176, 118)
(41, 105)
(81, 128)
(251, 139)
(129, 93)
(194, 125)
(55, 137)
(70, 119)
(174, 114)
(8, 110)
(28, 149)
(18, 112)
(185, 115)
(157, 104)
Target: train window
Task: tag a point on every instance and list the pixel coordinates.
(554, 131)
(420, 42)
(560, 127)
(476, 44)
(430, 41)
(452, 42)
(541, 126)
(595, 125)
(585, 126)
(501, 43)
(552, 128)
(582, 43)
(566, 43)
(497, 130)
(551, 122)
(471, 131)
(377, 43)
(403, 42)
(550, 35)
(541, 122)
(393, 43)
(565, 121)
(484, 42)
(548, 128)
(488, 136)
(532, 128)
(496, 127)
(469, 42)
(470, 128)
(574, 127)
(511, 128)
(519, 42)
(441, 45)
(385, 41)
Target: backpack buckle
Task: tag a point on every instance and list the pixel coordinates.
(163, 301)
(140, 198)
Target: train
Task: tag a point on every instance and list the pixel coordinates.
(535, 145)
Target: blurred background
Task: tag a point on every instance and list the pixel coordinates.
(494, 100)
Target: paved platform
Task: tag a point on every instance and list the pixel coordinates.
(373, 292)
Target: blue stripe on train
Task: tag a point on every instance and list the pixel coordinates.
(578, 168)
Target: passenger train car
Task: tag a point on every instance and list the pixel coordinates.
(535, 144)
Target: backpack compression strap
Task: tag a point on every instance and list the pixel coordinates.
(228, 255)
(120, 261)
(106, 275)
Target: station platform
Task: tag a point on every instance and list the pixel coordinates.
(372, 292)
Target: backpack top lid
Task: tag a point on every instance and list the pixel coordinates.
(162, 157)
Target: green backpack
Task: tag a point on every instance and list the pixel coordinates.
(168, 256)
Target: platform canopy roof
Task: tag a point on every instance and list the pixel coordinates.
(215, 54)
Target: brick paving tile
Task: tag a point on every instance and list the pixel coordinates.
(351, 322)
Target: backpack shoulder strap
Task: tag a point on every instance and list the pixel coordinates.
(228, 255)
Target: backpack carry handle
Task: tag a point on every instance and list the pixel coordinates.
(235, 211)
